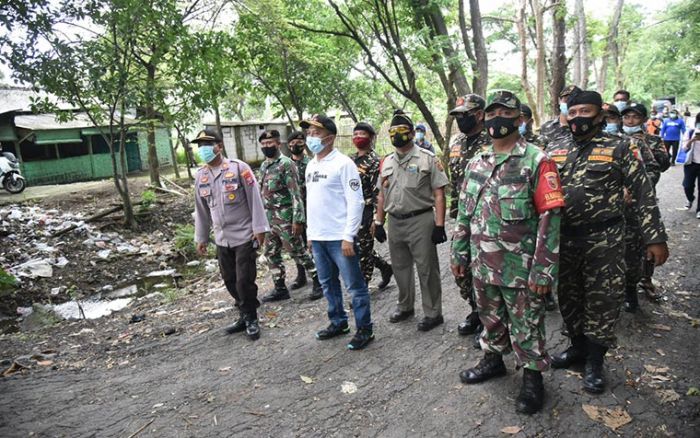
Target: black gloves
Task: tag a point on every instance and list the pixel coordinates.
(379, 233)
(439, 235)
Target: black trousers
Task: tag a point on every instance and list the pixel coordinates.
(691, 176)
(672, 149)
(238, 269)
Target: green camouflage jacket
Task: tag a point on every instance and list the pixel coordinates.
(653, 152)
(301, 171)
(594, 175)
(279, 183)
(507, 228)
(368, 166)
(462, 150)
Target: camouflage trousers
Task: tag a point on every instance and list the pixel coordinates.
(513, 320)
(634, 251)
(592, 283)
(279, 237)
(369, 259)
(466, 289)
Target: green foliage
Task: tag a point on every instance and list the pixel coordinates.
(184, 241)
(7, 280)
(172, 294)
(148, 198)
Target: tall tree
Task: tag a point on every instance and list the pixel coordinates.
(582, 44)
(558, 58)
(611, 49)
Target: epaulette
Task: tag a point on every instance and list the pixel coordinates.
(427, 152)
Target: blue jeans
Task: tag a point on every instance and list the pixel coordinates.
(330, 265)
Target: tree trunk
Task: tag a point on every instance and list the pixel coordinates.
(129, 218)
(583, 43)
(466, 41)
(151, 122)
(345, 104)
(558, 69)
(577, 56)
(610, 48)
(217, 116)
(481, 79)
(540, 61)
(522, 34)
(173, 155)
(188, 157)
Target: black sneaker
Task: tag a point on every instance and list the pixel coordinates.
(252, 329)
(332, 331)
(361, 339)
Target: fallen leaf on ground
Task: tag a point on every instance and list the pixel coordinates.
(660, 352)
(655, 369)
(667, 395)
(44, 363)
(661, 327)
(348, 388)
(511, 430)
(693, 391)
(13, 369)
(307, 379)
(613, 418)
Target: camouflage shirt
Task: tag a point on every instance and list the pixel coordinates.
(462, 150)
(280, 191)
(653, 153)
(533, 138)
(368, 166)
(551, 131)
(594, 175)
(301, 171)
(509, 215)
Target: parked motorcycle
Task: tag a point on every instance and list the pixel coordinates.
(10, 177)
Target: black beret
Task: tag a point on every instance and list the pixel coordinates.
(527, 112)
(401, 118)
(363, 126)
(296, 135)
(269, 135)
(585, 97)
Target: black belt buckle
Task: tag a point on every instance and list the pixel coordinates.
(411, 214)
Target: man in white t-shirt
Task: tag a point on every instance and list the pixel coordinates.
(334, 212)
(691, 170)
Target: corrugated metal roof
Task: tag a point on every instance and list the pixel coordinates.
(41, 122)
(20, 99)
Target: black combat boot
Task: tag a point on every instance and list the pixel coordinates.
(489, 367)
(549, 303)
(593, 376)
(300, 281)
(279, 293)
(387, 273)
(476, 343)
(252, 329)
(236, 327)
(470, 325)
(531, 395)
(631, 303)
(317, 290)
(575, 354)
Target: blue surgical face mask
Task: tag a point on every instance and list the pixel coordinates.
(420, 135)
(522, 129)
(206, 153)
(620, 104)
(612, 128)
(563, 109)
(629, 130)
(315, 144)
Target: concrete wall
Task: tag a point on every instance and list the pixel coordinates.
(162, 147)
(68, 170)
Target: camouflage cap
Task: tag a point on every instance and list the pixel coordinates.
(466, 103)
(503, 98)
(568, 90)
(207, 136)
(637, 108)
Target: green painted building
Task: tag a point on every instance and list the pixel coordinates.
(52, 151)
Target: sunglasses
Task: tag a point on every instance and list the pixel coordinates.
(399, 130)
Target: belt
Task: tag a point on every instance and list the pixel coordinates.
(577, 230)
(411, 214)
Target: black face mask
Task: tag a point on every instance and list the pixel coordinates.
(466, 123)
(500, 127)
(400, 141)
(297, 149)
(581, 126)
(269, 152)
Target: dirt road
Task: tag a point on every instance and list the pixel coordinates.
(112, 378)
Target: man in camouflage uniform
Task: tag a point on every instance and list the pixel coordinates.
(526, 127)
(285, 212)
(613, 119)
(655, 159)
(507, 233)
(296, 143)
(596, 169)
(469, 115)
(557, 127)
(367, 162)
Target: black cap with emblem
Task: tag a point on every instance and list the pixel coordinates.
(269, 135)
(585, 97)
(401, 118)
(208, 135)
(320, 121)
(637, 108)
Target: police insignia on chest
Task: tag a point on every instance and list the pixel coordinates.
(231, 196)
(412, 168)
(204, 192)
(204, 179)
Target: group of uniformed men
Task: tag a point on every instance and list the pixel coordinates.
(571, 211)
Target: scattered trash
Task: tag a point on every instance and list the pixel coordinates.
(34, 268)
(309, 380)
(348, 388)
(164, 273)
(667, 395)
(104, 254)
(512, 430)
(121, 292)
(91, 309)
(612, 418)
(224, 369)
(193, 263)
